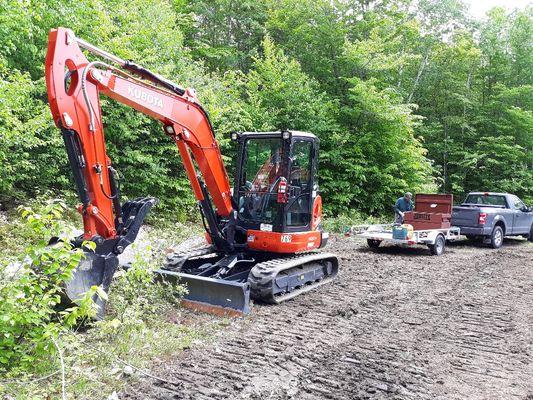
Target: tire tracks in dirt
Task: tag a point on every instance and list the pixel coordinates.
(395, 324)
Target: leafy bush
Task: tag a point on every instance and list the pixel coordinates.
(136, 298)
(139, 307)
(30, 293)
(142, 313)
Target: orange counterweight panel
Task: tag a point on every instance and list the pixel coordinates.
(277, 242)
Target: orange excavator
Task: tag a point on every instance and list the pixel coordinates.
(262, 235)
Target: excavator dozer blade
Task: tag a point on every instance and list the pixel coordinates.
(215, 296)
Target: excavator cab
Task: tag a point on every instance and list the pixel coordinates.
(275, 184)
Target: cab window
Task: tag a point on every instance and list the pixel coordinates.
(301, 165)
(517, 204)
(299, 208)
(489, 200)
(262, 169)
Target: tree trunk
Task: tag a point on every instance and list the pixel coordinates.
(419, 75)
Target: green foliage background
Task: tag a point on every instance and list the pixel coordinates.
(402, 97)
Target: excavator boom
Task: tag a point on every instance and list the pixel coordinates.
(74, 87)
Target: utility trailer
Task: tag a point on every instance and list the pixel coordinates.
(435, 239)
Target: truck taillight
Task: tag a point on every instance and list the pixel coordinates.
(482, 218)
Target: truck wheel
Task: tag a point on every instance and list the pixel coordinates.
(530, 237)
(496, 239)
(438, 248)
(373, 243)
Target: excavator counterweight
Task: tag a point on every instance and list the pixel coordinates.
(263, 234)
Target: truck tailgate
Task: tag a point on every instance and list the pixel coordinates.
(465, 216)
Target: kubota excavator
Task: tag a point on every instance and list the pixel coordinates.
(262, 235)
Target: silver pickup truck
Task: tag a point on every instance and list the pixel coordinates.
(491, 216)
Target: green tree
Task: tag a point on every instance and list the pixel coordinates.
(224, 34)
(146, 159)
(310, 32)
(378, 81)
(379, 153)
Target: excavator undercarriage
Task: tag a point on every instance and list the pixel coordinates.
(224, 284)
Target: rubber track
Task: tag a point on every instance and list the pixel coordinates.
(263, 275)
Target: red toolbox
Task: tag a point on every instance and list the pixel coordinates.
(432, 211)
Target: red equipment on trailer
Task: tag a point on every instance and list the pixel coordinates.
(250, 232)
(432, 211)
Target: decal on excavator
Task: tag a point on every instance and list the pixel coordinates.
(145, 96)
(266, 227)
(286, 238)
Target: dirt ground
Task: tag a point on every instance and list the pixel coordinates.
(395, 324)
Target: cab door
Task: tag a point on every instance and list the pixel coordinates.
(262, 166)
(521, 218)
(302, 165)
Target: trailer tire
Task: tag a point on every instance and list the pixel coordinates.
(437, 248)
(530, 237)
(496, 238)
(373, 243)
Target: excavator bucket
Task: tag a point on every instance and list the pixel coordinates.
(215, 296)
(94, 270)
(98, 267)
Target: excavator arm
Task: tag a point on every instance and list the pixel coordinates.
(74, 88)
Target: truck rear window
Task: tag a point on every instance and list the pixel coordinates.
(489, 200)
